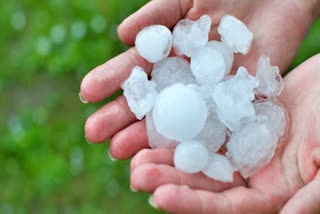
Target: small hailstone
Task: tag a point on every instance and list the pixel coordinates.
(252, 147)
(235, 34)
(179, 113)
(213, 135)
(226, 52)
(275, 114)
(219, 168)
(208, 65)
(190, 35)
(271, 82)
(191, 157)
(155, 139)
(139, 92)
(233, 98)
(170, 71)
(154, 43)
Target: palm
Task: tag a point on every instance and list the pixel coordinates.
(294, 165)
(277, 36)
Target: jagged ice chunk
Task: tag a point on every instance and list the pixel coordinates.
(154, 43)
(235, 34)
(219, 168)
(274, 113)
(233, 98)
(190, 35)
(252, 147)
(170, 71)
(139, 92)
(191, 157)
(271, 82)
(179, 113)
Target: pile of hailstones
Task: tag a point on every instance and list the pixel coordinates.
(198, 107)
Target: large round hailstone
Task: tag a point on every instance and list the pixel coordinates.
(208, 66)
(154, 43)
(179, 113)
(191, 157)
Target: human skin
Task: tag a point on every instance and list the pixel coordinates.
(278, 27)
(289, 184)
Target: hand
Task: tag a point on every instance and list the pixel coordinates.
(290, 182)
(278, 28)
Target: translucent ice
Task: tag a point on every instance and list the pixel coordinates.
(274, 113)
(233, 98)
(226, 52)
(179, 113)
(154, 43)
(191, 157)
(235, 34)
(213, 135)
(140, 92)
(190, 35)
(271, 82)
(219, 168)
(204, 90)
(155, 139)
(171, 70)
(252, 147)
(208, 65)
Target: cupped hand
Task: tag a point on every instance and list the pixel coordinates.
(290, 184)
(278, 28)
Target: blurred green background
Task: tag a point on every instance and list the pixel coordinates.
(46, 166)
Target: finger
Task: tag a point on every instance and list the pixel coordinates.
(129, 141)
(163, 12)
(106, 79)
(108, 120)
(154, 156)
(149, 177)
(181, 199)
(306, 200)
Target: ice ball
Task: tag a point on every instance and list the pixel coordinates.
(191, 157)
(154, 43)
(179, 112)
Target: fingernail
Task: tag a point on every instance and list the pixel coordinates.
(133, 189)
(110, 156)
(152, 204)
(87, 140)
(81, 98)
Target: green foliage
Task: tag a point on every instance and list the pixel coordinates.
(46, 165)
